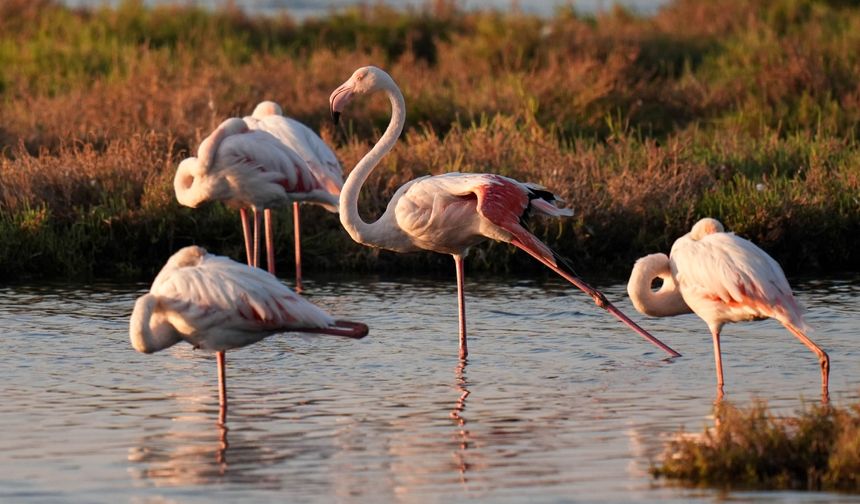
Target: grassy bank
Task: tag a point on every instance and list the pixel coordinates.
(818, 449)
(744, 111)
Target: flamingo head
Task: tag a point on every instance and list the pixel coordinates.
(706, 227)
(193, 187)
(363, 81)
(266, 108)
(187, 256)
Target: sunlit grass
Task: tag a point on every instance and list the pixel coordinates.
(816, 449)
(744, 111)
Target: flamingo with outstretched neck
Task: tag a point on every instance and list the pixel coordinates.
(452, 212)
(721, 278)
(217, 304)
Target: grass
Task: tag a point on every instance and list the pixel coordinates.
(818, 449)
(744, 111)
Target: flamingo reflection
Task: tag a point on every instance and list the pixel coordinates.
(463, 435)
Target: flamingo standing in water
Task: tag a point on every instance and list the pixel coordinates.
(452, 212)
(722, 278)
(217, 304)
(249, 168)
(321, 160)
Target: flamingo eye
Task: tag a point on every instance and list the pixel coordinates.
(187, 181)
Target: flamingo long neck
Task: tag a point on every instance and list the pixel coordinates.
(665, 302)
(375, 233)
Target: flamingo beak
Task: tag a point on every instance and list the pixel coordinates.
(338, 100)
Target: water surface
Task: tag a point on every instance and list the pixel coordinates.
(302, 9)
(558, 402)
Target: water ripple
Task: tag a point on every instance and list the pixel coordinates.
(558, 398)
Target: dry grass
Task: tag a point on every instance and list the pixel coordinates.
(740, 110)
(818, 449)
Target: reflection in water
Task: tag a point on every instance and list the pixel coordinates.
(457, 415)
(558, 400)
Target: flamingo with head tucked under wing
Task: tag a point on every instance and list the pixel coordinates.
(217, 304)
(321, 160)
(452, 212)
(249, 168)
(722, 278)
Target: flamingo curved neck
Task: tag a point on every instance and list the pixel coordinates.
(143, 338)
(374, 233)
(666, 301)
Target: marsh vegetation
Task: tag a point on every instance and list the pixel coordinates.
(744, 111)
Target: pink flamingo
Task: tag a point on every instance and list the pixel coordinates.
(722, 278)
(217, 304)
(249, 168)
(321, 160)
(452, 212)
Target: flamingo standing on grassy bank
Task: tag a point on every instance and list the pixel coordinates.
(321, 160)
(721, 278)
(452, 212)
(217, 304)
(249, 168)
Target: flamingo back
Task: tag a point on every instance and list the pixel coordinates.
(215, 303)
(725, 278)
(321, 160)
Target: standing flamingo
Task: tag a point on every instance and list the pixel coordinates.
(217, 304)
(452, 212)
(249, 168)
(722, 278)
(321, 160)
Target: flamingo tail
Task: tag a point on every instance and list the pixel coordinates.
(560, 265)
(355, 330)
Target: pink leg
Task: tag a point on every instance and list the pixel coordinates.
(823, 360)
(298, 236)
(270, 245)
(461, 306)
(246, 231)
(598, 297)
(256, 239)
(222, 389)
(718, 361)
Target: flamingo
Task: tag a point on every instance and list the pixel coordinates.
(217, 304)
(721, 278)
(249, 168)
(321, 160)
(452, 212)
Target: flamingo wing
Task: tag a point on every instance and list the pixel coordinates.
(264, 172)
(727, 268)
(461, 209)
(321, 160)
(218, 293)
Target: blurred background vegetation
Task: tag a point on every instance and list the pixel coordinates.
(741, 110)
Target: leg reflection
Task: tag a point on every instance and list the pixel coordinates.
(463, 435)
(221, 452)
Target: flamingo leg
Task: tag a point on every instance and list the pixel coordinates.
(823, 360)
(222, 389)
(718, 361)
(246, 231)
(598, 297)
(298, 237)
(461, 306)
(270, 244)
(256, 239)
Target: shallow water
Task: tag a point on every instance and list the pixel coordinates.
(559, 401)
(302, 9)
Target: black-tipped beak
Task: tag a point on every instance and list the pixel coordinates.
(335, 116)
